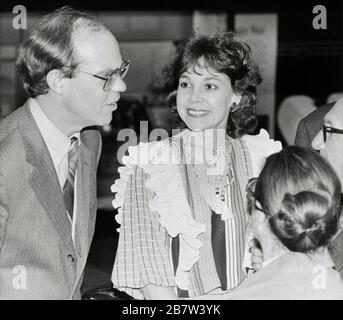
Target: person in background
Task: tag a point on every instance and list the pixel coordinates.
(181, 200)
(72, 70)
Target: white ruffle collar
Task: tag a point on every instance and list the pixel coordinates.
(169, 198)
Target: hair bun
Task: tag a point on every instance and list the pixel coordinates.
(288, 203)
(300, 223)
(312, 228)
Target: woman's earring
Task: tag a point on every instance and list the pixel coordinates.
(235, 103)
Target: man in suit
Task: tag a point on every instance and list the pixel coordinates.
(72, 70)
(328, 140)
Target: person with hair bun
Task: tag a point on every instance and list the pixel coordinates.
(323, 130)
(182, 202)
(295, 211)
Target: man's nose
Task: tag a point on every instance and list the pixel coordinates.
(118, 85)
(318, 141)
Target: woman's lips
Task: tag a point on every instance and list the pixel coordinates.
(197, 113)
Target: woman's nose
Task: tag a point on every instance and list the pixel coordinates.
(318, 141)
(196, 95)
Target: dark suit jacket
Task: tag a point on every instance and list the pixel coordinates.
(38, 259)
(307, 129)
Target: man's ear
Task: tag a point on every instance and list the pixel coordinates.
(56, 80)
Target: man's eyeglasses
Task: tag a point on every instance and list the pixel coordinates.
(112, 77)
(328, 129)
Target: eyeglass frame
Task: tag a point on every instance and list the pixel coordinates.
(252, 194)
(328, 129)
(117, 72)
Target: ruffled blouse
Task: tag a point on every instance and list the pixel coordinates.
(153, 205)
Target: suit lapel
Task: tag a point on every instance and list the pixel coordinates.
(44, 180)
(85, 198)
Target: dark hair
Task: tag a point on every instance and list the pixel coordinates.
(300, 192)
(225, 54)
(50, 46)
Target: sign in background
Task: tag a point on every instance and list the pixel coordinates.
(260, 32)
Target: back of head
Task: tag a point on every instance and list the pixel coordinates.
(300, 192)
(50, 46)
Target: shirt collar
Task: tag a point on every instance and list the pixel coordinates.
(322, 258)
(57, 142)
(269, 261)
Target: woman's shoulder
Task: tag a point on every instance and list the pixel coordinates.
(262, 142)
(260, 146)
(163, 152)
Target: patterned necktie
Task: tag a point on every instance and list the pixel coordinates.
(68, 188)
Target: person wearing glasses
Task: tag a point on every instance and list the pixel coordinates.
(310, 125)
(181, 200)
(329, 142)
(295, 210)
(322, 130)
(72, 70)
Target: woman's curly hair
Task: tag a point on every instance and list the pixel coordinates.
(225, 54)
(300, 193)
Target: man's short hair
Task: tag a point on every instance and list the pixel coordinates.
(50, 46)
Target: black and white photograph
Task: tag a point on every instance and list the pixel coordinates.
(181, 152)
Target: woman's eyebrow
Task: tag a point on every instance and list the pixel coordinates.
(213, 78)
(184, 76)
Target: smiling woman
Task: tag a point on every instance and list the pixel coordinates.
(204, 97)
(225, 67)
(183, 212)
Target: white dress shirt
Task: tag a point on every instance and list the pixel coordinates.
(58, 145)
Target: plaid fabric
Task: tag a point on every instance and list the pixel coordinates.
(142, 255)
(144, 251)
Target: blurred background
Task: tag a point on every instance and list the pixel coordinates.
(297, 46)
